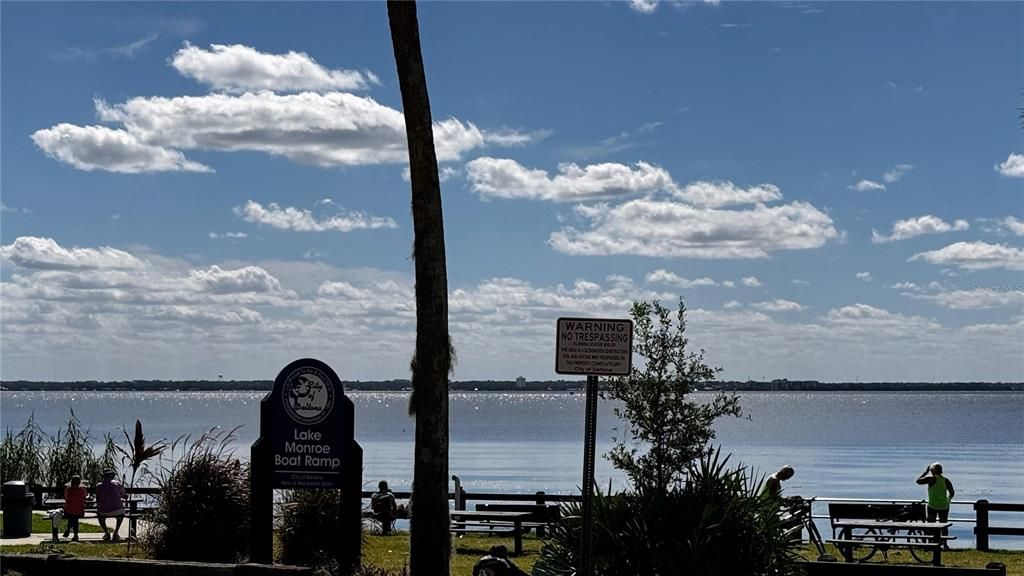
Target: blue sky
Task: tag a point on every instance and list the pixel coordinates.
(837, 189)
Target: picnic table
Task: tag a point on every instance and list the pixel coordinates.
(488, 521)
(924, 539)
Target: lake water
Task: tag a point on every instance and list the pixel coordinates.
(853, 445)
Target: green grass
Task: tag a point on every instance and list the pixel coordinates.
(89, 549)
(392, 552)
(41, 525)
(959, 557)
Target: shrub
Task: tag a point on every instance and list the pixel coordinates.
(308, 527)
(713, 523)
(203, 513)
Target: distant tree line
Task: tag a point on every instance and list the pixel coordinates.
(512, 385)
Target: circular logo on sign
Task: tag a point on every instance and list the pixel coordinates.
(308, 395)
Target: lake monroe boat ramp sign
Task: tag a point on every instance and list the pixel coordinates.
(306, 440)
(594, 347)
(310, 439)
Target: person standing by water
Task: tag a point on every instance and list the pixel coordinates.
(74, 505)
(940, 492)
(110, 497)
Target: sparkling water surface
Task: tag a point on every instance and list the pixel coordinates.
(844, 444)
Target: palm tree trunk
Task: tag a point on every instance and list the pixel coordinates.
(429, 543)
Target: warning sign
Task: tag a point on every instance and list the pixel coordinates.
(594, 346)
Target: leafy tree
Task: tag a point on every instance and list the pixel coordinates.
(667, 430)
(430, 549)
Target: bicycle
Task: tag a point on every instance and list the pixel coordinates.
(796, 515)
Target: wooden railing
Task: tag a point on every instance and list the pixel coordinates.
(982, 528)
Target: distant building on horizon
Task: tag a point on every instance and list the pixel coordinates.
(520, 382)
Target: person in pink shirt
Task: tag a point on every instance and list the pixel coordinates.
(74, 505)
(110, 497)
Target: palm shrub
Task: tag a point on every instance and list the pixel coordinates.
(713, 523)
(308, 527)
(203, 513)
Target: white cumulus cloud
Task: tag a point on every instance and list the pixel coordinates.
(239, 68)
(302, 220)
(866, 186)
(1014, 225)
(247, 279)
(669, 229)
(778, 305)
(644, 6)
(724, 193)
(896, 172)
(505, 178)
(662, 276)
(975, 256)
(865, 276)
(751, 282)
(1012, 167)
(912, 227)
(45, 254)
(100, 148)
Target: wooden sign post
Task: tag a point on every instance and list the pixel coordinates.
(306, 441)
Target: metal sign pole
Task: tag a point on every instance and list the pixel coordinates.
(589, 447)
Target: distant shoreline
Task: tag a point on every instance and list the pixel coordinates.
(506, 386)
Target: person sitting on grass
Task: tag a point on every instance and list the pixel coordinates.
(496, 563)
(110, 497)
(384, 507)
(74, 505)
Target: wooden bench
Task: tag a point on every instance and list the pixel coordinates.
(132, 512)
(541, 516)
(505, 523)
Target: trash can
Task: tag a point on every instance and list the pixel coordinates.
(16, 502)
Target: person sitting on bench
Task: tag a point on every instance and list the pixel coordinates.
(110, 497)
(384, 507)
(74, 505)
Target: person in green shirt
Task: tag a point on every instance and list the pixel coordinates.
(940, 492)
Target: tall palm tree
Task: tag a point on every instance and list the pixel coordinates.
(431, 363)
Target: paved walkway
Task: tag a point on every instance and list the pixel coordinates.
(84, 538)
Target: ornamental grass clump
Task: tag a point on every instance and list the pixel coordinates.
(21, 454)
(308, 527)
(203, 513)
(52, 459)
(70, 451)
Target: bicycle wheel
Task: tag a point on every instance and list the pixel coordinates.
(922, 555)
(864, 552)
